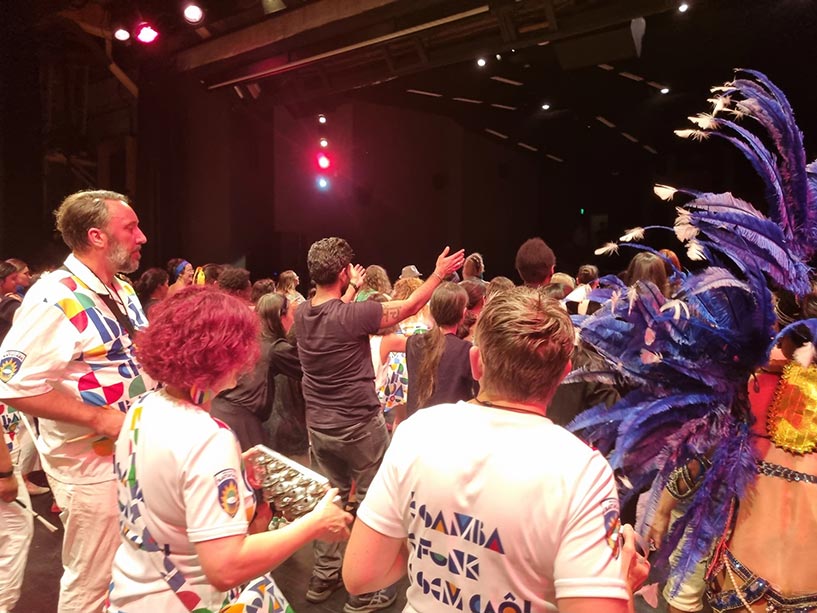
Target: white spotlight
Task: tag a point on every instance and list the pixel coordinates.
(546, 107)
(193, 14)
(498, 56)
(683, 7)
(324, 142)
(665, 90)
(481, 62)
(121, 34)
(321, 118)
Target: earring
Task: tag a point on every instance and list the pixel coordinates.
(200, 396)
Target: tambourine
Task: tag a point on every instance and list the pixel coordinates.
(293, 489)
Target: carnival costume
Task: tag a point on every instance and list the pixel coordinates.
(687, 360)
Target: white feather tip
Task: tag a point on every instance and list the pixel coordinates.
(693, 134)
(704, 121)
(633, 234)
(607, 249)
(665, 192)
(805, 355)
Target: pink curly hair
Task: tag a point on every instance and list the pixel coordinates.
(197, 337)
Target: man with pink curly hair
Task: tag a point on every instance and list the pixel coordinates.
(68, 359)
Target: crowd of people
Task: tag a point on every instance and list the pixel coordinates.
(439, 409)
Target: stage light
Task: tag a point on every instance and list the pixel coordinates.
(545, 107)
(323, 183)
(193, 14)
(683, 7)
(121, 34)
(323, 161)
(498, 56)
(321, 118)
(145, 33)
(324, 143)
(481, 62)
(665, 90)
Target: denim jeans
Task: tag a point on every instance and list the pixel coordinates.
(345, 455)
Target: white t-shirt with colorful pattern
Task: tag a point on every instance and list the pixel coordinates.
(64, 337)
(191, 488)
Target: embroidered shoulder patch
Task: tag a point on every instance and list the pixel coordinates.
(10, 364)
(612, 524)
(227, 487)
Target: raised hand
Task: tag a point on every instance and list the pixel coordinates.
(448, 263)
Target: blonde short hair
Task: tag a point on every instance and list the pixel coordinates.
(525, 340)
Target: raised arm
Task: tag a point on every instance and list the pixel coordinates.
(397, 310)
(356, 272)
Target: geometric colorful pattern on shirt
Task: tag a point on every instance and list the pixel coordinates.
(97, 387)
(260, 595)
(395, 387)
(10, 421)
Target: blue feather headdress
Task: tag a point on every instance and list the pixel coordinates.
(686, 359)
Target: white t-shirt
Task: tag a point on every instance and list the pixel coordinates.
(64, 337)
(503, 511)
(188, 466)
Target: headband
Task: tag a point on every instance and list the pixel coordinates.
(182, 265)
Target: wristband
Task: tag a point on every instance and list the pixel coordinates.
(7, 474)
(438, 275)
(355, 285)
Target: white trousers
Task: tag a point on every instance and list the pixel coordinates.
(16, 530)
(90, 518)
(29, 458)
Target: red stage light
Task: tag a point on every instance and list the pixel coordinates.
(323, 161)
(145, 33)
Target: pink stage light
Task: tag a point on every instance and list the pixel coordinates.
(145, 33)
(323, 161)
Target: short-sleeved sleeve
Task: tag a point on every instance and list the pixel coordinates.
(588, 560)
(214, 492)
(381, 509)
(36, 350)
(363, 317)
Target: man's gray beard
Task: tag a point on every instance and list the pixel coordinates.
(121, 260)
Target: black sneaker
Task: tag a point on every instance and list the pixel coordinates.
(373, 601)
(320, 590)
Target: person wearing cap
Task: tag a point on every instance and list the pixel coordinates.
(346, 426)
(410, 272)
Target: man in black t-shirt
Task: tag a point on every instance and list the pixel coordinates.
(347, 431)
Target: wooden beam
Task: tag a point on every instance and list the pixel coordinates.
(275, 29)
(288, 66)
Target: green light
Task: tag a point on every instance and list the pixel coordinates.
(581, 211)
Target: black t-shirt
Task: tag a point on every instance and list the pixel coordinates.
(454, 380)
(336, 358)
